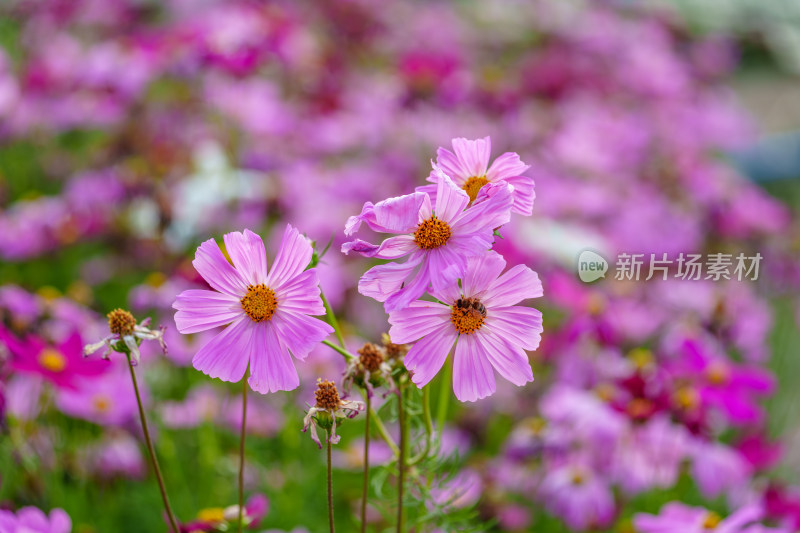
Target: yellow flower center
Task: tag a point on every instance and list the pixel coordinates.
(121, 322)
(467, 315)
(101, 403)
(687, 398)
(717, 373)
(212, 514)
(432, 233)
(473, 185)
(641, 357)
(712, 520)
(259, 303)
(52, 360)
(577, 477)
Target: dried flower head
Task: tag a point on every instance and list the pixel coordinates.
(328, 408)
(126, 336)
(393, 351)
(369, 370)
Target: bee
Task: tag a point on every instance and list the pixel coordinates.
(473, 306)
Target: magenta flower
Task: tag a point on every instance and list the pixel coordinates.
(677, 517)
(437, 236)
(481, 318)
(468, 167)
(267, 311)
(62, 364)
(33, 520)
(578, 496)
(109, 401)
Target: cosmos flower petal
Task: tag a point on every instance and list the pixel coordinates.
(521, 326)
(412, 290)
(379, 282)
(473, 154)
(298, 332)
(217, 271)
(481, 272)
(510, 361)
(199, 310)
(451, 166)
(447, 265)
(226, 355)
(426, 357)
(519, 283)
(473, 377)
(506, 166)
(301, 294)
(450, 199)
(271, 366)
(491, 209)
(419, 319)
(246, 250)
(393, 215)
(392, 248)
(524, 194)
(292, 258)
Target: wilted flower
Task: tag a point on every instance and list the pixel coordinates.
(126, 335)
(267, 312)
(481, 319)
(438, 236)
(327, 409)
(370, 369)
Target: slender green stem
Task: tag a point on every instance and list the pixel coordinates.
(444, 397)
(173, 523)
(365, 487)
(330, 486)
(426, 415)
(376, 419)
(347, 355)
(241, 453)
(401, 416)
(332, 319)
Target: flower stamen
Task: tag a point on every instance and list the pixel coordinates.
(121, 322)
(432, 233)
(52, 360)
(327, 396)
(259, 303)
(468, 315)
(473, 185)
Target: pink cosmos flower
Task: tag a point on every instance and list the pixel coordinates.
(481, 318)
(62, 364)
(578, 496)
(468, 167)
(438, 236)
(109, 401)
(676, 517)
(267, 311)
(33, 520)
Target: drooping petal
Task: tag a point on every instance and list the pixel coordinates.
(473, 377)
(473, 154)
(393, 215)
(217, 271)
(419, 319)
(247, 252)
(301, 294)
(524, 194)
(509, 360)
(413, 289)
(380, 282)
(451, 166)
(446, 267)
(450, 199)
(520, 326)
(271, 366)
(519, 283)
(481, 271)
(426, 357)
(392, 248)
(507, 165)
(199, 310)
(292, 258)
(226, 355)
(299, 333)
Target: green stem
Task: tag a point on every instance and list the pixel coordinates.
(173, 523)
(376, 419)
(444, 397)
(330, 486)
(365, 487)
(241, 453)
(347, 355)
(332, 319)
(426, 415)
(401, 460)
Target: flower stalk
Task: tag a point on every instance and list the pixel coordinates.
(241, 453)
(330, 485)
(365, 487)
